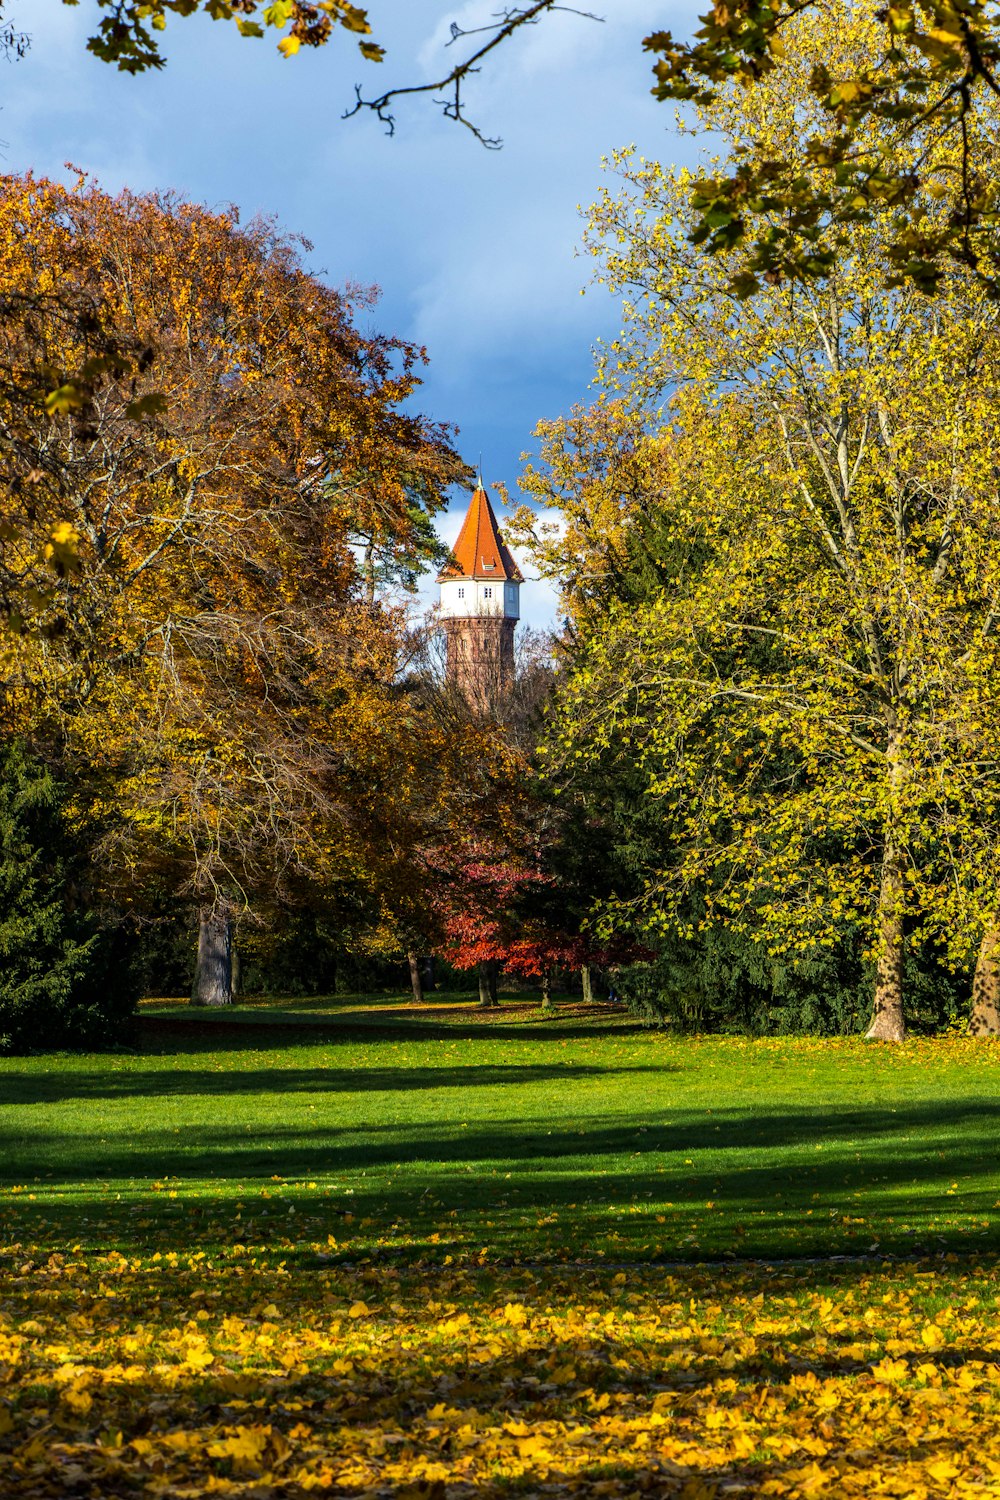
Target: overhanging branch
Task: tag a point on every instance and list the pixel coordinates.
(448, 90)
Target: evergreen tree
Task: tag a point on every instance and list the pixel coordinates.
(64, 981)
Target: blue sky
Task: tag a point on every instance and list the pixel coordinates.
(475, 251)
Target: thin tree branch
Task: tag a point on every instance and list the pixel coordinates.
(508, 22)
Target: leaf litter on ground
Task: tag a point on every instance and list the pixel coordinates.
(266, 1371)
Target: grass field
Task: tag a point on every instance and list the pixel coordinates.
(425, 1252)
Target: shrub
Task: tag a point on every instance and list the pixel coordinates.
(721, 981)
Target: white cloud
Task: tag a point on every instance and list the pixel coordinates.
(563, 41)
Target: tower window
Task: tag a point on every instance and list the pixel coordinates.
(461, 593)
(487, 593)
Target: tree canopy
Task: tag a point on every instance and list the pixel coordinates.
(211, 663)
(784, 553)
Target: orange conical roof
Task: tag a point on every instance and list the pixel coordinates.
(479, 551)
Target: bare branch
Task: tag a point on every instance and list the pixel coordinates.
(508, 21)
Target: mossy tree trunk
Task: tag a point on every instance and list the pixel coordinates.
(888, 1023)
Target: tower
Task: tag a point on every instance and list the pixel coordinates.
(480, 587)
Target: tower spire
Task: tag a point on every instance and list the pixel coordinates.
(479, 551)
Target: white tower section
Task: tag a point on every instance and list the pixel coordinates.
(475, 596)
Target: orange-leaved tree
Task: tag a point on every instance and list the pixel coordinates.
(213, 665)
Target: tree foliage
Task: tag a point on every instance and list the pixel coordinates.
(893, 136)
(129, 32)
(807, 687)
(213, 670)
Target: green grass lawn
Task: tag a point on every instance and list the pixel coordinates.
(411, 1134)
(400, 1254)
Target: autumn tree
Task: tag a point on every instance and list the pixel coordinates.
(212, 668)
(481, 889)
(431, 773)
(460, 802)
(502, 875)
(814, 683)
(597, 481)
(508, 902)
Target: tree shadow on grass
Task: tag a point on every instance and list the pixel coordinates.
(897, 1140)
(761, 1187)
(161, 1036)
(27, 1087)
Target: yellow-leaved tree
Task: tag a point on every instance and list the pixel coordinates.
(810, 693)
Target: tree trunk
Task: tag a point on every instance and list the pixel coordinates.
(547, 990)
(213, 979)
(368, 573)
(237, 970)
(887, 1013)
(416, 978)
(488, 985)
(985, 1017)
(586, 984)
(888, 1024)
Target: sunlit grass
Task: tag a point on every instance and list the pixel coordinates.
(412, 1133)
